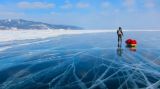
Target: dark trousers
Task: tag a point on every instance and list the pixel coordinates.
(119, 40)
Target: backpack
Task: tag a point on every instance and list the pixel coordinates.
(119, 32)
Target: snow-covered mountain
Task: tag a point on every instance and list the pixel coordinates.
(25, 24)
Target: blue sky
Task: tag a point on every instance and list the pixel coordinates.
(91, 14)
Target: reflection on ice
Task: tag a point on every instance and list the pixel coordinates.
(86, 63)
(119, 51)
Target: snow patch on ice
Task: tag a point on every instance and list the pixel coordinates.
(11, 35)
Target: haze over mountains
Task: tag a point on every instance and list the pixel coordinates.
(7, 24)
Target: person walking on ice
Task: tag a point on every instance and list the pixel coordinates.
(119, 34)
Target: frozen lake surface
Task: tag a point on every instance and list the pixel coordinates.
(84, 61)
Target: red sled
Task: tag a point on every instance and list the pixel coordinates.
(131, 43)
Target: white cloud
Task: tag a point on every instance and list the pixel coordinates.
(105, 4)
(150, 4)
(35, 5)
(9, 14)
(53, 13)
(82, 5)
(129, 3)
(67, 5)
